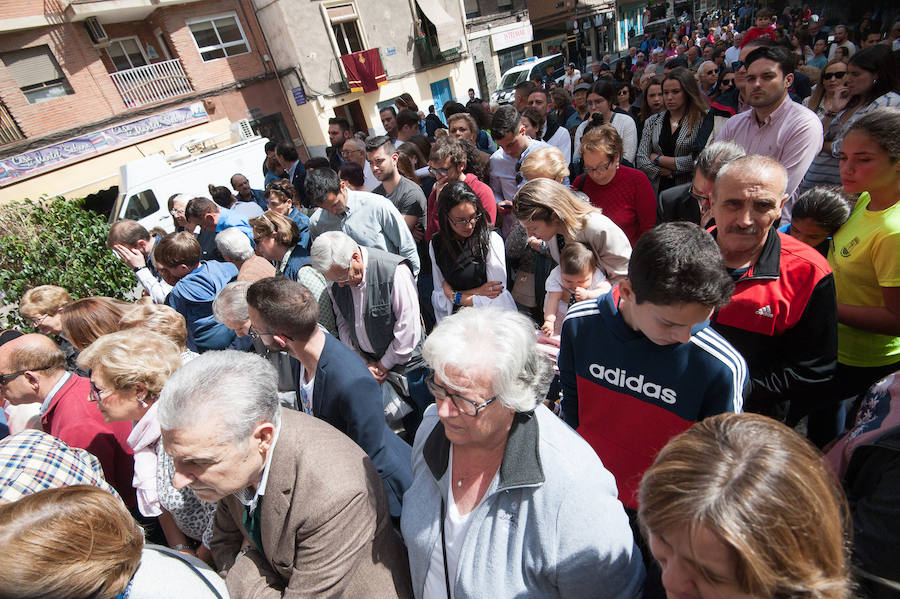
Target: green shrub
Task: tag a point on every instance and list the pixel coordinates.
(56, 241)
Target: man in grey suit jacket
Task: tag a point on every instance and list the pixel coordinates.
(302, 511)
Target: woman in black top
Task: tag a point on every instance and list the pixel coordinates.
(468, 258)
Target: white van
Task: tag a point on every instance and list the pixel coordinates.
(525, 70)
(147, 184)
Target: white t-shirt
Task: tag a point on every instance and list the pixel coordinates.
(554, 283)
(305, 392)
(455, 528)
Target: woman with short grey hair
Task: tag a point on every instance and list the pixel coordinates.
(235, 248)
(231, 309)
(491, 462)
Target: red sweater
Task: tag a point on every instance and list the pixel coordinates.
(484, 193)
(77, 421)
(628, 200)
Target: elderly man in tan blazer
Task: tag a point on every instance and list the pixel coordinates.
(301, 509)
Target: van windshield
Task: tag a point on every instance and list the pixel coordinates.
(513, 79)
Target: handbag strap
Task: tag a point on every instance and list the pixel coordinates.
(444, 550)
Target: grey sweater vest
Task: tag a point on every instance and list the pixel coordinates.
(378, 314)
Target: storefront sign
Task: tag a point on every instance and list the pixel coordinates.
(512, 37)
(74, 150)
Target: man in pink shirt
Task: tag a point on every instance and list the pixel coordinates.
(776, 126)
(446, 164)
(376, 307)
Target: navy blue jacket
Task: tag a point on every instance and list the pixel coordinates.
(347, 396)
(298, 259)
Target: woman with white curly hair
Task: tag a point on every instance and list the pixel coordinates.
(508, 501)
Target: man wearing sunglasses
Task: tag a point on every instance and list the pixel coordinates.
(708, 76)
(32, 371)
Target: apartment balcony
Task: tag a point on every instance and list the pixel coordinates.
(152, 83)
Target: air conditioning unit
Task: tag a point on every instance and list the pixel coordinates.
(242, 130)
(96, 31)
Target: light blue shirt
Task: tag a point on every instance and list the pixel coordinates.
(503, 171)
(370, 220)
(230, 218)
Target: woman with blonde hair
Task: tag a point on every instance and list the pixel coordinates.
(84, 320)
(80, 542)
(739, 505)
(555, 215)
(527, 255)
(127, 371)
(161, 319)
(548, 163)
(42, 307)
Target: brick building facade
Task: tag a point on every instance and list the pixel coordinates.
(70, 70)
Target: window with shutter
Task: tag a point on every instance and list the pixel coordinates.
(37, 73)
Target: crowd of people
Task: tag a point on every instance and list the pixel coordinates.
(590, 344)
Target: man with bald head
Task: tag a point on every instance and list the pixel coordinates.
(354, 150)
(783, 314)
(33, 370)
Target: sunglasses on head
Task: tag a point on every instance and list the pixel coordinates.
(839, 75)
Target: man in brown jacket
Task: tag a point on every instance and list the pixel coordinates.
(302, 511)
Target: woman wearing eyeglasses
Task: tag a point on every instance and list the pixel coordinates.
(601, 102)
(277, 238)
(624, 194)
(127, 372)
(507, 501)
(467, 257)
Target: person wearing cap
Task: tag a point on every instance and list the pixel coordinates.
(581, 110)
(571, 78)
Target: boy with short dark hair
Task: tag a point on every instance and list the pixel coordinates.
(195, 284)
(641, 364)
(765, 27)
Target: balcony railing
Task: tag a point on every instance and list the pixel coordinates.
(152, 83)
(9, 130)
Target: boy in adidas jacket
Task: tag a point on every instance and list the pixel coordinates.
(640, 364)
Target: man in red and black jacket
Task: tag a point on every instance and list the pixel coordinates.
(783, 314)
